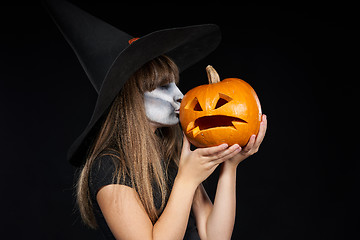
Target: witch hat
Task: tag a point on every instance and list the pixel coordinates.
(110, 56)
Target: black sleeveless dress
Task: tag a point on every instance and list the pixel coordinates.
(101, 175)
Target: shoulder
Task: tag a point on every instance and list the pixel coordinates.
(104, 165)
(104, 161)
(104, 171)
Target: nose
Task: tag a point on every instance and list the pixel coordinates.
(178, 97)
(178, 100)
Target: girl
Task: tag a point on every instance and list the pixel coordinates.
(138, 177)
(141, 180)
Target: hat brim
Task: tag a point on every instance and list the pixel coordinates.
(185, 46)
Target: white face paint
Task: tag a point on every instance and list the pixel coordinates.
(162, 105)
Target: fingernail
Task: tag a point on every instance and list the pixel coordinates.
(265, 117)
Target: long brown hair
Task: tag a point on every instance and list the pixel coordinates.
(127, 130)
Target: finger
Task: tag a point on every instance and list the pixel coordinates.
(230, 154)
(225, 154)
(212, 150)
(262, 131)
(250, 144)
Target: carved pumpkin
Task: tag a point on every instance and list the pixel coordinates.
(226, 111)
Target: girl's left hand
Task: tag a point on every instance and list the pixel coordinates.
(251, 147)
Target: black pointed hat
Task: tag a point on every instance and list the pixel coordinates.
(109, 57)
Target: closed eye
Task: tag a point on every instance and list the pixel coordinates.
(165, 86)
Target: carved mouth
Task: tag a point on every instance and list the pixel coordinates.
(207, 122)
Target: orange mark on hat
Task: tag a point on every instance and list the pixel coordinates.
(132, 40)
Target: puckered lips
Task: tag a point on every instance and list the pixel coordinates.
(214, 121)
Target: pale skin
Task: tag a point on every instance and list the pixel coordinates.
(128, 220)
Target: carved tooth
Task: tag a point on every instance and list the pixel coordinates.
(195, 131)
(237, 124)
(190, 126)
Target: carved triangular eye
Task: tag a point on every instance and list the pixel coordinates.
(221, 102)
(197, 106)
(194, 105)
(223, 99)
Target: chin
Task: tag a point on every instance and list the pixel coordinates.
(165, 124)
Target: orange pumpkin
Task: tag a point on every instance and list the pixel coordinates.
(226, 111)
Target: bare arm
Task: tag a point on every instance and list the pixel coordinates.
(220, 223)
(216, 221)
(124, 212)
(173, 221)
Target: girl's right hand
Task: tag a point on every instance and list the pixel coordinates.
(196, 166)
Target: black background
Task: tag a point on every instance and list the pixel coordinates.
(303, 182)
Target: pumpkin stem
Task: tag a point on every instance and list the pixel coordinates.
(213, 76)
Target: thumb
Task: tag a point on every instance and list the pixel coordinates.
(186, 144)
